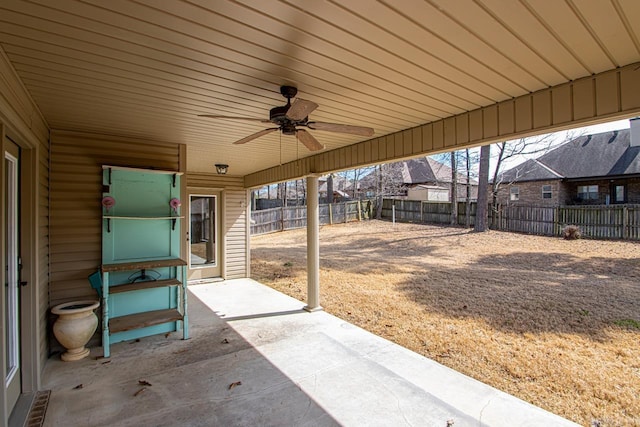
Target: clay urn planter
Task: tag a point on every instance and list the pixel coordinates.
(74, 327)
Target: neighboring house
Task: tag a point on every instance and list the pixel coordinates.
(419, 179)
(340, 186)
(428, 179)
(392, 181)
(594, 169)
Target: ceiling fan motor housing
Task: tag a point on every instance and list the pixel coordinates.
(278, 115)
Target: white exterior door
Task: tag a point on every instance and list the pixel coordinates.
(10, 297)
(204, 236)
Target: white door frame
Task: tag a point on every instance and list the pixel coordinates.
(30, 302)
(11, 314)
(216, 270)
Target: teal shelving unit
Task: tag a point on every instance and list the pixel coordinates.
(144, 286)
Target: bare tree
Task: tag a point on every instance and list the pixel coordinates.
(469, 161)
(303, 190)
(358, 174)
(523, 147)
(379, 196)
(330, 188)
(483, 186)
(454, 188)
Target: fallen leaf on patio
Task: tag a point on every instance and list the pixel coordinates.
(389, 326)
(232, 385)
(225, 341)
(167, 334)
(108, 361)
(78, 387)
(144, 382)
(139, 392)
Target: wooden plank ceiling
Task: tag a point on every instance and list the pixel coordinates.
(146, 69)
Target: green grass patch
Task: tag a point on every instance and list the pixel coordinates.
(628, 323)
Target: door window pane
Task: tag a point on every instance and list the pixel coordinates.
(619, 193)
(203, 231)
(11, 260)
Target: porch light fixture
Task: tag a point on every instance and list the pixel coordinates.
(221, 169)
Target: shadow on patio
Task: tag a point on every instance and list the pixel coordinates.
(290, 367)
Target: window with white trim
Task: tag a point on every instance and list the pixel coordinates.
(514, 194)
(588, 192)
(546, 192)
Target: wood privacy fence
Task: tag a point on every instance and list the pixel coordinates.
(598, 222)
(290, 217)
(427, 212)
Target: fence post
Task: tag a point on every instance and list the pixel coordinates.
(359, 207)
(625, 222)
(330, 214)
(282, 218)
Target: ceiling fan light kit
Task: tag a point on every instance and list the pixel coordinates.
(288, 118)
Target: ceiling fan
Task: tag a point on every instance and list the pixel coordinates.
(288, 118)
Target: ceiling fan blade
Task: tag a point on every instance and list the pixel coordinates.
(300, 109)
(308, 140)
(337, 127)
(255, 135)
(251, 119)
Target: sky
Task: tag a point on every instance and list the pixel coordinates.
(586, 130)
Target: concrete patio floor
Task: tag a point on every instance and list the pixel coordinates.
(255, 358)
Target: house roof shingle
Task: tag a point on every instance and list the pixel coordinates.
(590, 156)
(428, 170)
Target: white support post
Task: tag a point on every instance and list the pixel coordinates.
(313, 246)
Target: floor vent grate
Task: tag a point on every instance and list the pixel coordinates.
(38, 409)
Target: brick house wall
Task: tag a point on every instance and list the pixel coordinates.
(633, 191)
(566, 193)
(605, 188)
(530, 193)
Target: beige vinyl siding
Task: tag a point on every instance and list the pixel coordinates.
(234, 207)
(43, 246)
(22, 119)
(76, 191)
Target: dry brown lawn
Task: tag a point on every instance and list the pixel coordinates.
(553, 322)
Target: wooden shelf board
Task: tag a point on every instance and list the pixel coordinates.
(115, 289)
(143, 320)
(141, 217)
(128, 169)
(139, 265)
